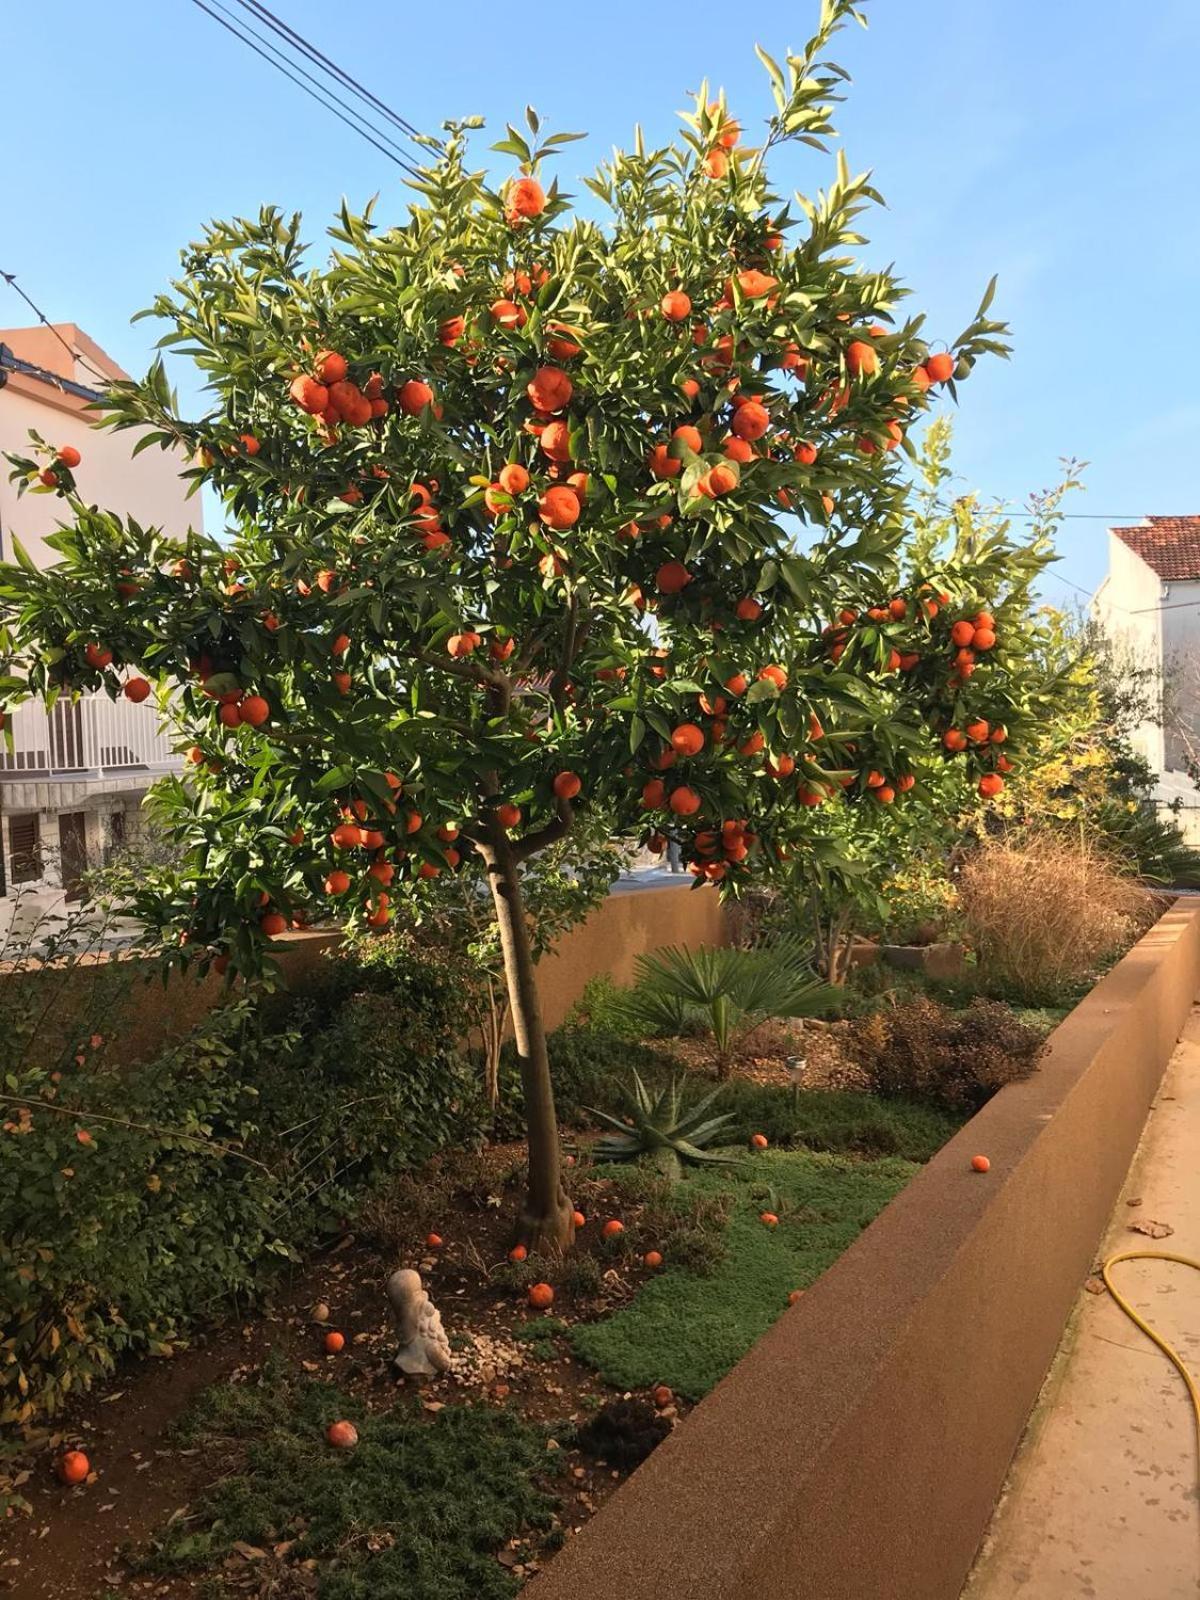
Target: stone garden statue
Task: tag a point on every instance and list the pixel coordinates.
(424, 1349)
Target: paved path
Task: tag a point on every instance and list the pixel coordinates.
(1102, 1500)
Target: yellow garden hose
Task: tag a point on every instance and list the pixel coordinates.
(1151, 1333)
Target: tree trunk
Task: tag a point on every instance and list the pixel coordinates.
(546, 1221)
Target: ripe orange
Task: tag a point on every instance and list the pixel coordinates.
(69, 456)
(97, 656)
(462, 644)
(612, 1228)
(750, 421)
(920, 377)
(758, 1141)
(954, 739)
(721, 480)
(738, 684)
(555, 442)
(413, 396)
(999, 733)
(739, 450)
(230, 715)
(524, 198)
(559, 507)
(501, 649)
(342, 682)
(672, 577)
(990, 785)
(977, 731)
(255, 710)
(752, 746)
(335, 1343)
(273, 924)
(884, 794)
(136, 689)
(558, 345)
(73, 1466)
(508, 815)
(769, 1218)
(433, 1241)
(508, 314)
(980, 1163)
(862, 360)
(578, 1218)
(654, 794)
(963, 632)
(662, 464)
(773, 674)
(517, 1253)
(513, 478)
(541, 1296)
(342, 1435)
(550, 389)
(663, 1396)
(940, 367)
(675, 306)
(652, 1258)
(567, 785)
(329, 366)
(687, 739)
(337, 882)
(309, 395)
(689, 436)
(748, 609)
(805, 453)
(716, 163)
(984, 638)
(684, 802)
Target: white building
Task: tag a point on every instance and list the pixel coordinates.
(1149, 606)
(72, 784)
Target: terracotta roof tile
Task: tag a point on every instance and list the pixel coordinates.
(1170, 546)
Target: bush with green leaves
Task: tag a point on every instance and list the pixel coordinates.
(732, 991)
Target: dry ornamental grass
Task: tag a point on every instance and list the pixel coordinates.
(1045, 910)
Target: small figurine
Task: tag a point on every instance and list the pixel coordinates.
(424, 1349)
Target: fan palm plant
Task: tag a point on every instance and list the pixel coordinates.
(664, 1128)
(733, 992)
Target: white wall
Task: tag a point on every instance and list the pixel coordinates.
(1127, 607)
(1181, 668)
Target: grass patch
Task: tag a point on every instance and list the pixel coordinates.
(837, 1121)
(688, 1328)
(417, 1511)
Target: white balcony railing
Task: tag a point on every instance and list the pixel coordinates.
(94, 737)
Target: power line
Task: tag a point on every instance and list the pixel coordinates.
(275, 60)
(278, 26)
(11, 279)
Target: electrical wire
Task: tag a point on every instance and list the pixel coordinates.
(273, 59)
(299, 42)
(11, 279)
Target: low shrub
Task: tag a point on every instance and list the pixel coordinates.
(955, 1060)
(1044, 911)
(138, 1202)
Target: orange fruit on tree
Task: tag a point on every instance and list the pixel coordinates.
(654, 794)
(342, 1435)
(862, 359)
(524, 198)
(508, 815)
(550, 389)
(750, 421)
(413, 397)
(687, 739)
(462, 644)
(559, 507)
(501, 649)
(513, 478)
(954, 739)
(884, 794)
(748, 609)
(739, 450)
(329, 366)
(541, 1296)
(773, 674)
(567, 785)
(672, 577)
(722, 480)
(555, 442)
(662, 463)
(684, 802)
(984, 638)
(255, 710)
(963, 632)
(990, 785)
(273, 924)
(337, 882)
(136, 689)
(69, 456)
(940, 367)
(309, 395)
(716, 163)
(737, 684)
(977, 731)
(690, 437)
(675, 306)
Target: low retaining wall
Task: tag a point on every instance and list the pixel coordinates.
(146, 1014)
(857, 1452)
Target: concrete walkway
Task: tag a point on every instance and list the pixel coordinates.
(1102, 1500)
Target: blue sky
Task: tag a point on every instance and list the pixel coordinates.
(1055, 142)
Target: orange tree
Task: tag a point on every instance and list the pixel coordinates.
(516, 500)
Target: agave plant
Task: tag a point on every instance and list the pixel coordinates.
(665, 1129)
(731, 991)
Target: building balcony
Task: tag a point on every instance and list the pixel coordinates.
(91, 739)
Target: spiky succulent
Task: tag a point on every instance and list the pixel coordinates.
(663, 1128)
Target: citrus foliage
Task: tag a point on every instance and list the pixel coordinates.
(529, 512)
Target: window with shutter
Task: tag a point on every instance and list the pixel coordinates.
(25, 847)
